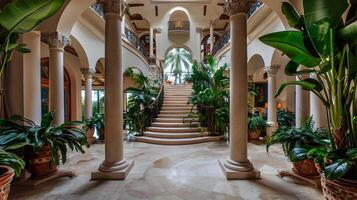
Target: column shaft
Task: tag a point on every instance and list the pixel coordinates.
(32, 77)
(211, 36)
(302, 111)
(151, 42)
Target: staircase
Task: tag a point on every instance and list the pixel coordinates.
(170, 127)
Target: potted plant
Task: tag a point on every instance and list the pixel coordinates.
(256, 124)
(296, 143)
(325, 43)
(95, 123)
(47, 144)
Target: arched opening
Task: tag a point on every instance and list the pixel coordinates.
(258, 81)
(206, 45)
(45, 74)
(179, 26)
(177, 65)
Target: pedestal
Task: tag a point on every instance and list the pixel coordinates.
(238, 175)
(114, 175)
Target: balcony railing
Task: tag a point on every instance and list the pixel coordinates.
(137, 43)
(227, 35)
(179, 26)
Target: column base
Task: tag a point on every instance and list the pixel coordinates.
(238, 172)
(272, 126)
(114, 172)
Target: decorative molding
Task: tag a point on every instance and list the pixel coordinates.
(88, 72)
(118, 7)
(55, 40)
(157, 30)
(272, 70)
(232, 7)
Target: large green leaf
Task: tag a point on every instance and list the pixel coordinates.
(299, 154)
(25, 15)
(349, 34)
(292, 44)
(291, 69)
(291, 15)
(320, 16)
(306, 85)
(337, 169)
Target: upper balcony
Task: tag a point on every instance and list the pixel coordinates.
(179, 26)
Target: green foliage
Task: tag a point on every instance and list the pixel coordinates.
(137, 116)
(211, 94)
(256, 122)
(97, 123)
(326, 45)
(18, 17)
(25, 132)
(178, 60)
(303, 137)
(286, 118)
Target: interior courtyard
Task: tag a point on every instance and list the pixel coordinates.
(178, 99)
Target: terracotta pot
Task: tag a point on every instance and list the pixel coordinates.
(305, 168)
(40, 163)
(90, 136)
(6, 176)
(254, 134)
(340, 189)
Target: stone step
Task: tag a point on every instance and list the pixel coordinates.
(179, 141)
(173, 130)
(183, 104)
(175, 111)
(176, 120)
(178, 95)
(174, 124)
(173, 135)
(172, 115)
(178, 90)
(189, 108)
(176, 98)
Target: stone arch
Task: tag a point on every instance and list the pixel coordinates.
(255, 63)
(178, 46)
(82, 55)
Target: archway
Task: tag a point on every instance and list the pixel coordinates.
(177, 67)
(258, 81)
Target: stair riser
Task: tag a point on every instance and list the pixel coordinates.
(172, 130)
(176, 108)
(168, 125)
(174, 112)
(168, 120)
(172, 115)
(176, 105)
(173, 136)
(177, 142)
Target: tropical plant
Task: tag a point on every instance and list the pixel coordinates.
(178, 60)
(286, 118)
(137, 116)
(326, 45)
(59, 138)
(256, 122)
(293, 140)
(211, 94)
(18, 17)
(96, 122)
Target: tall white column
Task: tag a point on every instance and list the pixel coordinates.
(32, 76)
(152, 42)
(272, 107)
(114, 167)
(302, 110)
(318, 111)
(56, 42)
(238, 166)
(211, 36)
(88, 100)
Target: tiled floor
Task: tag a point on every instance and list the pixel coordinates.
(171, 173)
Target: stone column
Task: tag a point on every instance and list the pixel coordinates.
(114, 167)
(302, 110)
(238, 166)
(152, 42)
(272, 110)
(88, 100)
(318, 111)
(211, 36)
(56, 42)
(32, 76)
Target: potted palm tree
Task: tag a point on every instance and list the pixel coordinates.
(47, 144)
(95, 123)
(325, 43)
(256, 124)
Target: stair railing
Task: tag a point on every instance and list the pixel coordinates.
(155, 106)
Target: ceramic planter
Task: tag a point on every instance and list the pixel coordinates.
(254, 134)
(305, 168)
(40, 163)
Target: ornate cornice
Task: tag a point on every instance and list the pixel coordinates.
(118, 7)
(272, 70)
(232, 7)
(88, 72)
(55, 39)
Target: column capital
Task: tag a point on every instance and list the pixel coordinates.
(157, 30)
(88, 72)
(232, 7)
(117, 7)
(55, 39)
(272, 70)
